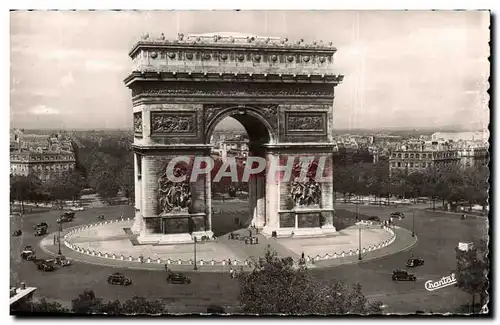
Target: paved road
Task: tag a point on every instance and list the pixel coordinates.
(438, 236)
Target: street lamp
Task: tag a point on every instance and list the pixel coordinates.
(195, 266)
(413, 222)
(59, 229)
(359, 255)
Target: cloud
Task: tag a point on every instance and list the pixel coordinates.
(44, 110)
(102, 65)
(67, 80)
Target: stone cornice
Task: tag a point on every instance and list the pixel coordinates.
(334, 79)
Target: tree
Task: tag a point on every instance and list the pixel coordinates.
(277, 286)
(24, 188)
(40, 306)
(139, 305)
(472, 268)
(86, 303)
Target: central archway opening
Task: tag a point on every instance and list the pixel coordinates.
(237, 203)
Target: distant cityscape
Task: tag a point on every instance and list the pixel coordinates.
(46, 153)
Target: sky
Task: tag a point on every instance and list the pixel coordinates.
(404, 69)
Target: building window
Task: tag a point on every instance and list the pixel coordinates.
(417, 155)
(399, 155)
(411, 165)
(406, 155)
(417, 165)
(411, 156)
(393, 155)
(399, 164)
(393, 164)
(406, 164)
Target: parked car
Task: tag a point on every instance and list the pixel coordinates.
(40, 225)
(45, 265)
(413, 262)
(17, 233)
(28, 255)
(399, 215)
(374, 218)
(214, 309)
(177, 278)
(120, 279)
(62, 261)
(403, 275)
(100, 217)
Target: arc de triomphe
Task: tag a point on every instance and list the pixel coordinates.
(282, 92)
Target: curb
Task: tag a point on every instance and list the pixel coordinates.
(220, 266)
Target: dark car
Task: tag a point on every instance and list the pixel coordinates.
(41, 231)
(399, 215)
(214, 309)
(403, 275)
(177, 278)
(374, 218)
(28, 255)
(118, 278)
(413, 262)
(45, 265)
(68, 216)
(40, 225)
(17, 233)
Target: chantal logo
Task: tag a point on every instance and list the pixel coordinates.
(444, 282)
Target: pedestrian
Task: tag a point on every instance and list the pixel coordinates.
(302, 255)
(54, 239)
(231, 273)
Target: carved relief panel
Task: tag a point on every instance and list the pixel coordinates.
(174, 123)
(138, 124)
(306, 122)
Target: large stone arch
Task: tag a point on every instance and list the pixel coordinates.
(255, 120)
(281, 92)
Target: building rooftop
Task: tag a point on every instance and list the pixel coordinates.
(17, 294)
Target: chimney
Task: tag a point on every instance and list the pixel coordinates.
(23, 286)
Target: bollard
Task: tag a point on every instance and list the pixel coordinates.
(114, 256)
(121, 257)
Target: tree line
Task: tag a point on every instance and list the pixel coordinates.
(446, 183)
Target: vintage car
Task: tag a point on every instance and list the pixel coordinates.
(41, 231)
(100, 217)
(403, 275)
(62, 261)
(45, 265)
(17, 233)
(413, 262)
(177, 278)
(28, 255)
(120, 279)
(374, 218)
(66, 217)
(399, 215)
(40, 225)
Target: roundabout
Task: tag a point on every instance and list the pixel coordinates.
(112, 243)
(438, 235)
